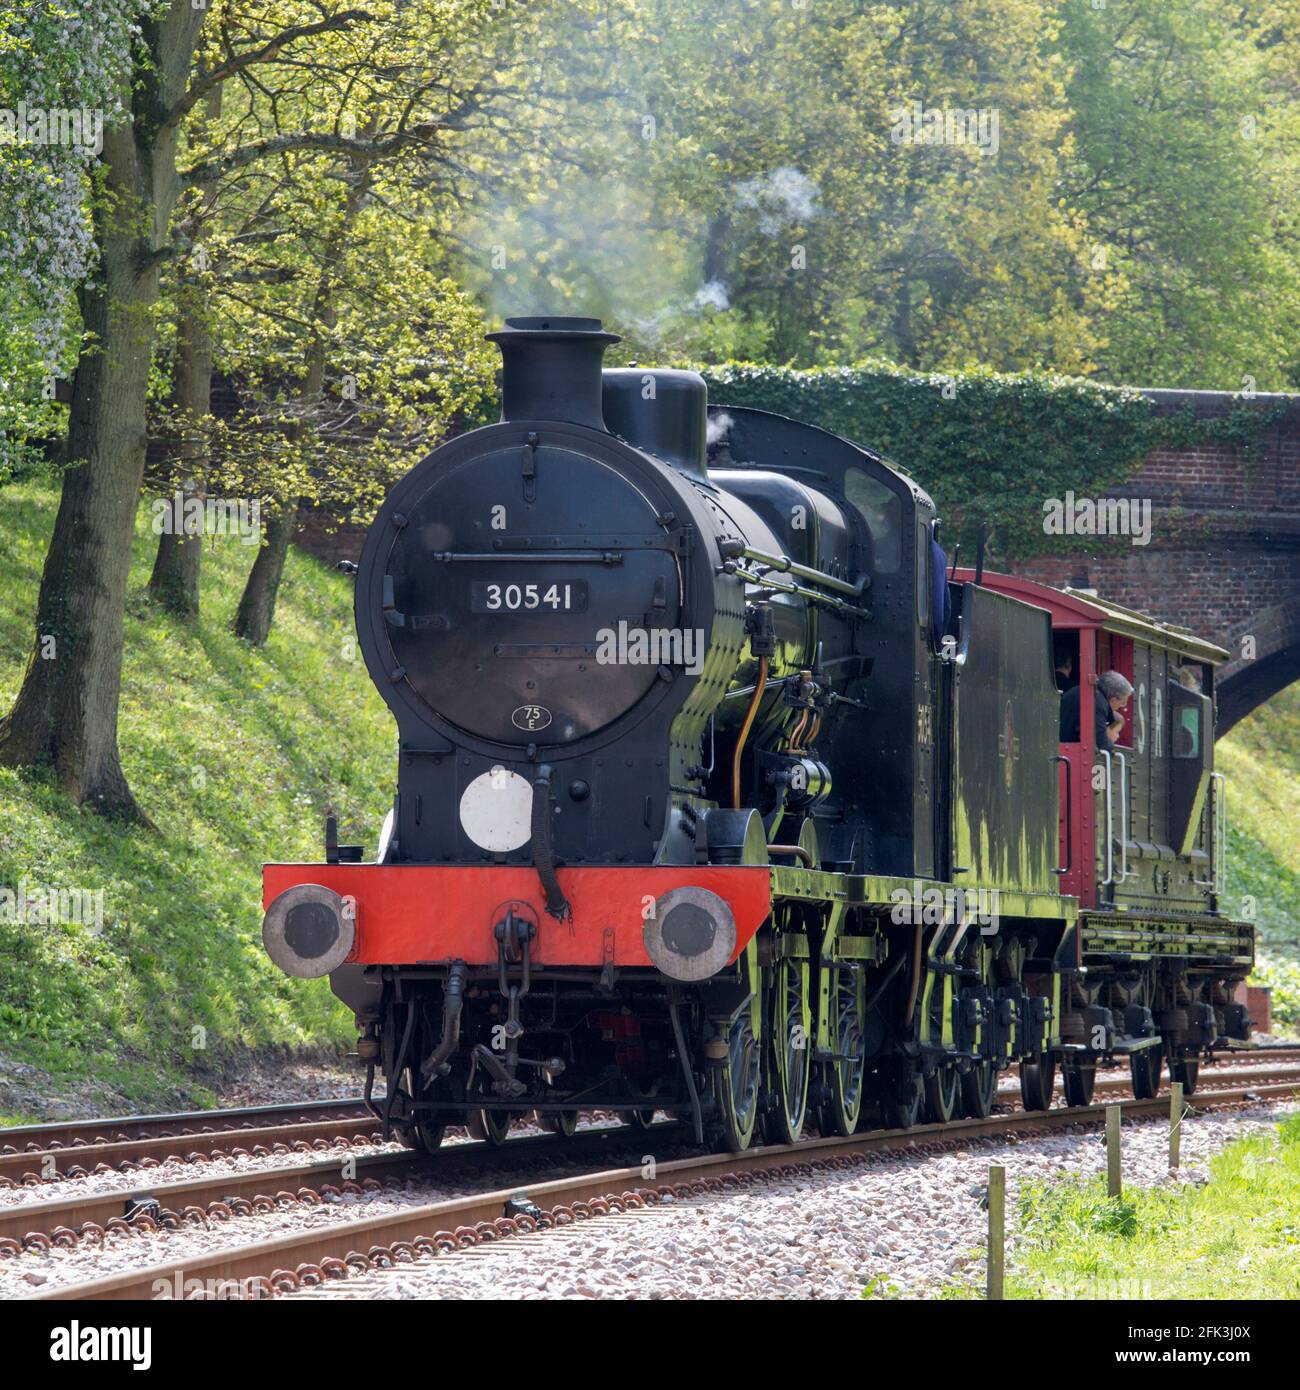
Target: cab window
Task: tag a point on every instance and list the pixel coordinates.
(1187, 732)
(882, 510)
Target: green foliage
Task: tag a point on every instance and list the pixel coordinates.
(1233, 1237)
(237, 752)
(1074, 1208)
(988, 446)
(1261, 759)
(1182, 167)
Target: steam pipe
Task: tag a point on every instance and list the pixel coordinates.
(750, 714)
(453, 1001)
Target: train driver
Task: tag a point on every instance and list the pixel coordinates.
(1110, 696)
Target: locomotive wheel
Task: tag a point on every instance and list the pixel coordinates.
(790, 1056)
(979, 1089)
(942, 1093)
(901, 1101)
(1186, 1070)
(1145, 1068)
(491, 1125)
(561, 1122)
(1078, 1081)
(735, 1086)
(1037, 1082)
(423, 1138)
(845, 1079)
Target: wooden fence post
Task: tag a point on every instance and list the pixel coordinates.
(1114, 1174)
(997, 1229)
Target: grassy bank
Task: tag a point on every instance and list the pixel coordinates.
(235, 753)
(1236, 1236)
(1261, 758)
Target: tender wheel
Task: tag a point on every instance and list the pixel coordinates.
(425, 1136)
(1145, 1068)
(1078, 1082)
(1187, 1070)
(490, 1125)
(790, 1054)
(561, 1122)
(735, 1086)
(942, 1092)
(845, 1079)
(901, 1100)
(1037, 1082)
(979, 1090)
(637, 1119)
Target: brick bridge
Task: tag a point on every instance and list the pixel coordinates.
(1224, 556)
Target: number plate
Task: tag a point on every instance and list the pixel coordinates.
(532, 596)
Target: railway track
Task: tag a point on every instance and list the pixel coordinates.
(33, 1167)
(62, 1134)
(310, 1257)
(69, 1220)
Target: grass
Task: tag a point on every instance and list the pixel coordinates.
(1261, 758)
(235, 753)
(1236, 1236)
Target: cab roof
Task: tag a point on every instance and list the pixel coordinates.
(1075, 608)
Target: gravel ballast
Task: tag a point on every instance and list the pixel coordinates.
(909, 1225)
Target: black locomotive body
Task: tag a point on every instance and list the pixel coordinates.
(716, 793)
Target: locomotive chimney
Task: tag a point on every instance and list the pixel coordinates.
(551, 369)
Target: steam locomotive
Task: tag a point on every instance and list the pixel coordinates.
(720, 793)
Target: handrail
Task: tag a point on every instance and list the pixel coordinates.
(1069, 817)
(783, 564)
(1220, 830)
(1123, 822)
(1110, 838)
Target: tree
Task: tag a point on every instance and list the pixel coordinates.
(1179, 154)
(66, 710)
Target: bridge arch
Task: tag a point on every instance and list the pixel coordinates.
(1246, 682)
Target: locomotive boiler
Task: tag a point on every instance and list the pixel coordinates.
(716, 793)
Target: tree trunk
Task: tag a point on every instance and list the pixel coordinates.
(66, 710)
(174, 582)
(257, 603)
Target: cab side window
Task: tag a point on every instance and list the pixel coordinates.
(882, 510)
(1187, 733)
